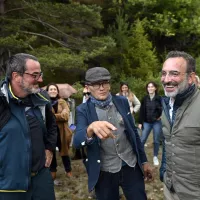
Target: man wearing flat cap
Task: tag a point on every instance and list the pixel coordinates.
(115, 156)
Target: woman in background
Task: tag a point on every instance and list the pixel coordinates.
(150, 118)
(61, 111)
(134, 102)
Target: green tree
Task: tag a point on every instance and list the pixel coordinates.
(61, 35)
(141, 56)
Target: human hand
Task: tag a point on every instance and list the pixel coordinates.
(140, 126)
(148, 174)
(102, 129)
(49, 156)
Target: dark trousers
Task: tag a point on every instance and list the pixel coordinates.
(65, 159)
(129, 178)
(41, 188)
(66, 162)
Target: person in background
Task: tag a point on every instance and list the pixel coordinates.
(86, 95)
(150, 118)
(133, 101)
(116, 156)
(26, 142)
(61, 111)
(180, 167)
(80, 153)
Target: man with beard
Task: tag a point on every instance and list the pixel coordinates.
(27, 133)
(180, 168)
(116, 156)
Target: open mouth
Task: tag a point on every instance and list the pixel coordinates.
(170, 88)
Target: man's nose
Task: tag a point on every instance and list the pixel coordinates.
(166, 78)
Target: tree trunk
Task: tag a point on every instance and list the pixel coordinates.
(2, 7)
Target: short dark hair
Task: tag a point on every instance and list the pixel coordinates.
(54, 84)
(154, 84)
(191, 63)
(17, 63)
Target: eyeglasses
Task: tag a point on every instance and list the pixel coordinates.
(104, 84)
(171, 74)
(35, 75)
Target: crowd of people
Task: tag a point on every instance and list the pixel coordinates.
(33, 122)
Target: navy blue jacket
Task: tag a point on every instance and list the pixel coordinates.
(85, 115)
(15, 141)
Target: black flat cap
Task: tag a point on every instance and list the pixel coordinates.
(97, 74)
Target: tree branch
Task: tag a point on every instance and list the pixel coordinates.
(14, 9)
(45, 36)
(50, 26)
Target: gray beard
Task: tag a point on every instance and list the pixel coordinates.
(181, 88)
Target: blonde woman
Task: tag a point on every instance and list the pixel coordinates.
(134, 102)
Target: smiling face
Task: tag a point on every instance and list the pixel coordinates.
(151, 88)
(28, 83)
(175, 78)
(52, 91)
(124, 89)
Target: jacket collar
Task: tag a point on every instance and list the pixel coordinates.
(6, 91)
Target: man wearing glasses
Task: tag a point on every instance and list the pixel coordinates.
(180, 168)
(27, 133)
(115, 153)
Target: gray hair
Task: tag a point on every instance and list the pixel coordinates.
(17, 63)
(191, 63)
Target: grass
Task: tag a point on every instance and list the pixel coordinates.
(75, 188)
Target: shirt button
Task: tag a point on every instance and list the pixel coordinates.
(86, 159)
(98, 161)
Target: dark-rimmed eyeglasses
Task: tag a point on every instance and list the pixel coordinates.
(35, 75)
(104, 84)
(171, 74)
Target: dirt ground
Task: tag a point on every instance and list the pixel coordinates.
(75, 188)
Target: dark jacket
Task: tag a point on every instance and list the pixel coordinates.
(15, 140)
(85, 115)
(157, 112)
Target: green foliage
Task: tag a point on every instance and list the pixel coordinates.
(130, 38)
(51, 58)
(79, 87)
(141, 57)
(198, 66)
(171, 24)
(62, 36)
(134, 53)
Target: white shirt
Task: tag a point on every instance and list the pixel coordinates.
(171, 104)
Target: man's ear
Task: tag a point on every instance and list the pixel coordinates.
(192, 78)
(16, 77)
